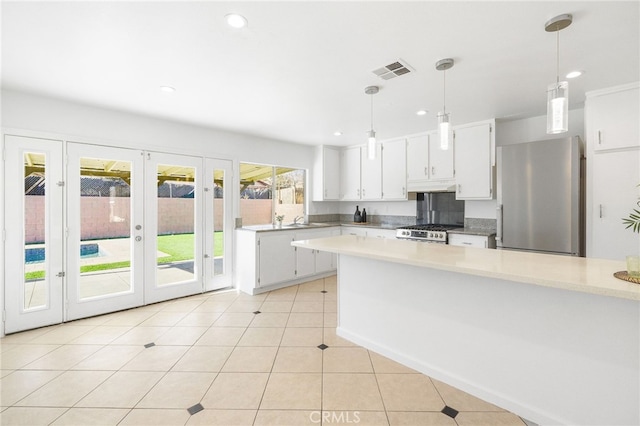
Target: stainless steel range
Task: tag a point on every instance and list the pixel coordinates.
(428, 233)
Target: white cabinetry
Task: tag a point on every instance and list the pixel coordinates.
(326, 173)
(440, 160)
(612, 118)
(381, 233)
(417, 161)
(614, 194)
(276, 257)
(428, 166)
(613, 172)
(368, 232)
(394, 170)
(350, 173)
(371, 175)
(475, 161)
(267, 260)
(466, 240)
(310, 262)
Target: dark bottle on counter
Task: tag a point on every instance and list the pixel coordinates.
(357, 217)
(364, 215)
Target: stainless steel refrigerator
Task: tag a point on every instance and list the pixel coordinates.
(539, 197)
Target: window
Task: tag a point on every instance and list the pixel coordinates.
(267, 190)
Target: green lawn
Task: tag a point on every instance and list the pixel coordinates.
(179, 247)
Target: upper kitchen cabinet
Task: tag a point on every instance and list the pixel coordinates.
(371, 175)
(429, 167)
(475, 161)
(611, 118)
(326, 173)
(394, 170)
(350, 173)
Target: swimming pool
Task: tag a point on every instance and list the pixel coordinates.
(37, 254)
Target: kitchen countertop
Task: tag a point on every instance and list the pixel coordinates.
(314, 225)
(587, 275)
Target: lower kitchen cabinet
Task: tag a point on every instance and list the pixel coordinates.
(368, 231)
(466, 240)
(267, 261)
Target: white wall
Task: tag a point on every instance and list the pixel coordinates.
(535, 129)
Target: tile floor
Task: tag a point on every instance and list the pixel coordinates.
(221, 359)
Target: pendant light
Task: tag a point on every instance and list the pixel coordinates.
(558, 92)
(371, 134)
(445, 132)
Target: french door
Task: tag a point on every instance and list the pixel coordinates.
(173, 222)
(105, 252)
(124, 229)
(218, 224)
(34, 269)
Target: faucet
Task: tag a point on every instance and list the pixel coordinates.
(295, 219)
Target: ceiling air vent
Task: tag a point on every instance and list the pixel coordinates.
(393, 70)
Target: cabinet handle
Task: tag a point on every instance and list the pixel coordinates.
(600, 205)
(599, 137)
(459, 189)
(466, 243)
(325, 193)
(426, 172)
(358, 192)
(433, 170)
(404, 191)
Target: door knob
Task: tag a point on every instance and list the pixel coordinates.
(138, 238)
(138, 227)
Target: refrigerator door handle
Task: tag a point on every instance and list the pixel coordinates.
(499, 224)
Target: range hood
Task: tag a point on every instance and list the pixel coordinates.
(434, 186)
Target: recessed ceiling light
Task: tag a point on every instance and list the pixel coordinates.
(422, 112)
(574, 74)
(337, 133)
(236, 21)
(168, 89)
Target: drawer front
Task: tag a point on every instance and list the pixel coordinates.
(468, 240)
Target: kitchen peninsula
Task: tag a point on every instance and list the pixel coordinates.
(554, 339)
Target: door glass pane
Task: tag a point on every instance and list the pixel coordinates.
(176, 224)
(218, 222)
(34, 210)
(105, 227)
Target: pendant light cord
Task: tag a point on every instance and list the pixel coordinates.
(371, 111)
(444, 91)
(558, 56)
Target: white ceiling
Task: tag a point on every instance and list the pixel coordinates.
(298, 71)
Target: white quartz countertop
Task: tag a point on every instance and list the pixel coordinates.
(586, 275)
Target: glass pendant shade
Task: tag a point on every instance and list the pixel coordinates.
(371, 145)
(445, 131)
(558, 107)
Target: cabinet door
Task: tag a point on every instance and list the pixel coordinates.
(277, 258)
(469, 241)
(371, 175)
(305, 261)
(440, 160)
(331, 173)
(381, 233)
(354, 230)
(350, 173)
(474, 171)
(417, 158)
(612, 120)
(615, 194)
(394, 170)
(324, 259)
